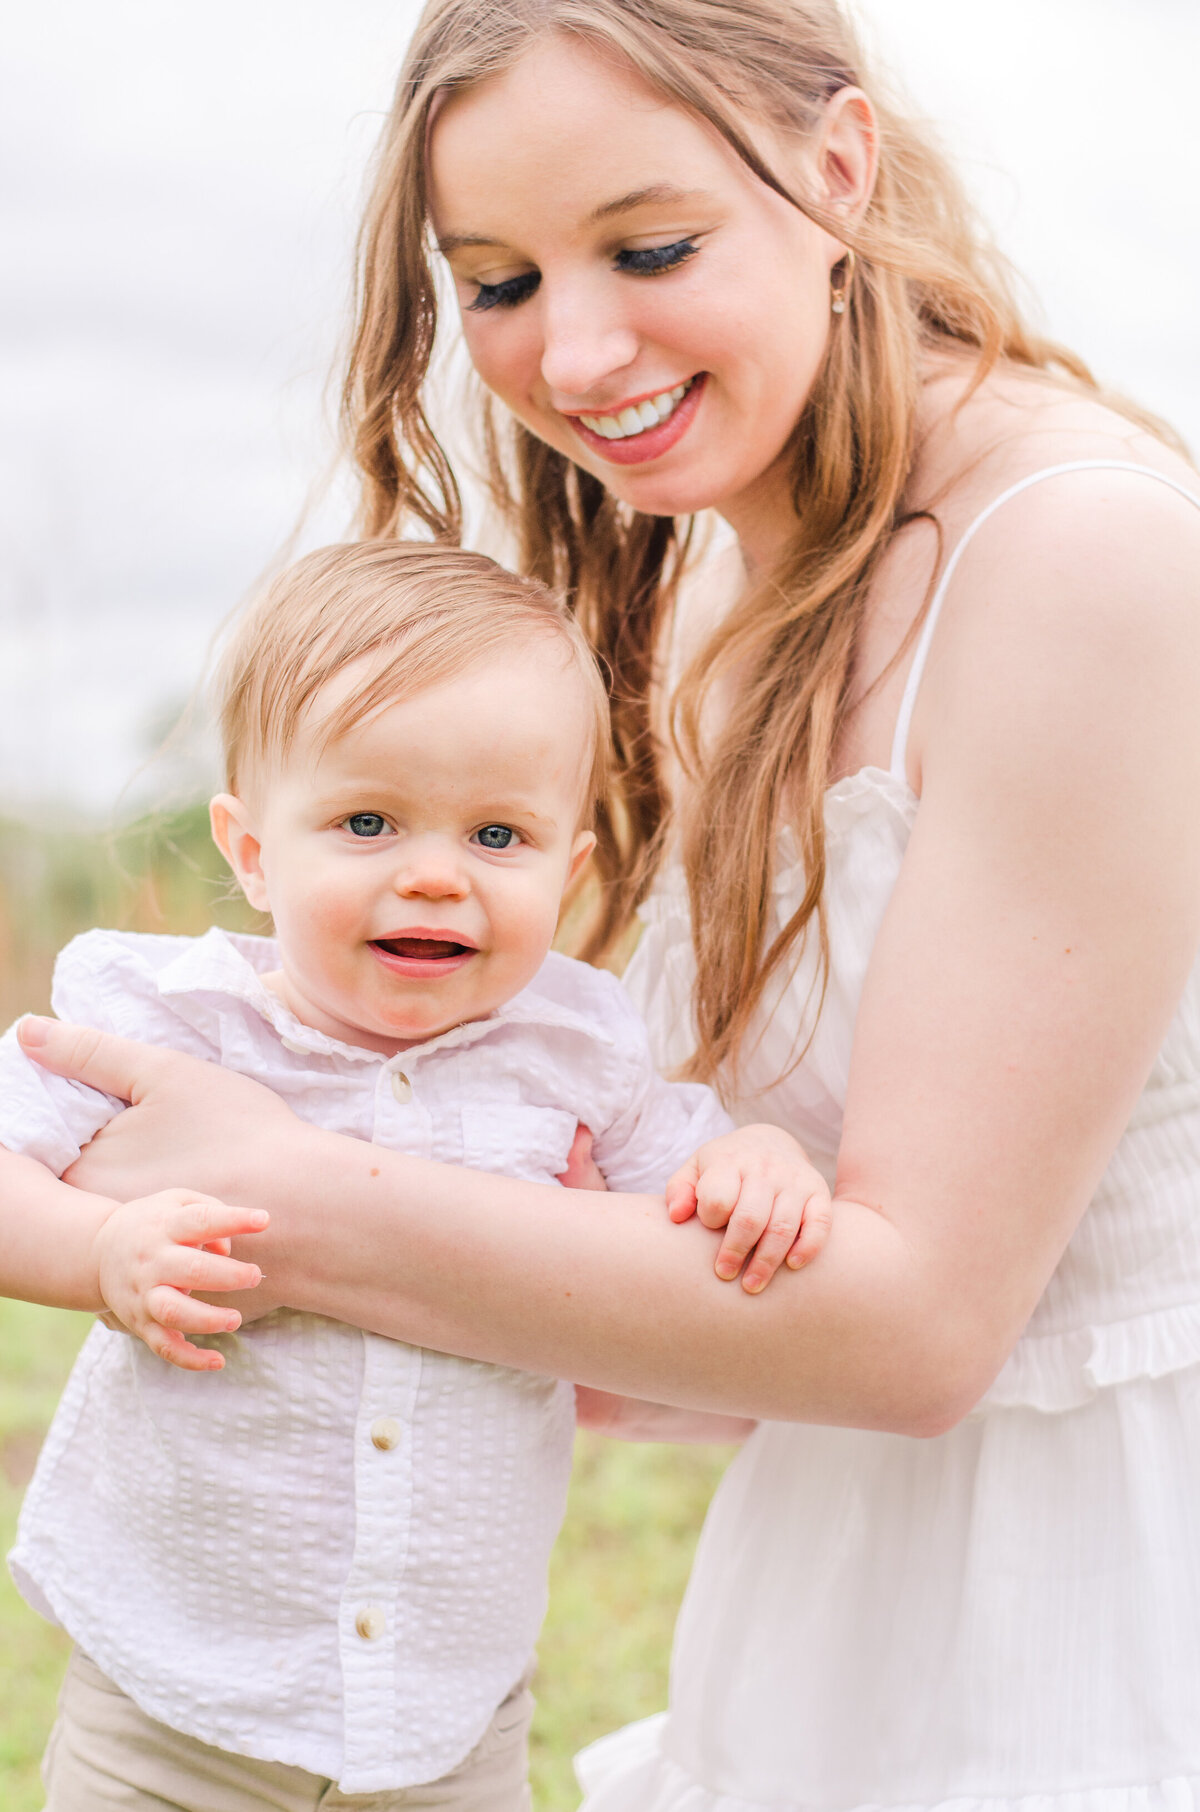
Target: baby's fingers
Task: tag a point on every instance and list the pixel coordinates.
(171, 1345)
(746, 1224)
(680, 1192)
(177, 1312)
(814, 1230)
(192, 1268)
(203, 1221)
(776, 1244)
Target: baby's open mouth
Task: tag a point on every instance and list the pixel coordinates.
(423, 949)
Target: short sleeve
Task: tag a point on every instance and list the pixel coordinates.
(50, 1118)
(659, 1124)
(102, 979)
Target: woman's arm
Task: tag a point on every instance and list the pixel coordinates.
(1042, 930)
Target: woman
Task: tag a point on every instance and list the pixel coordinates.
(932, 880)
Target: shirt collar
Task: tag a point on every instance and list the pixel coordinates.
(232, 964)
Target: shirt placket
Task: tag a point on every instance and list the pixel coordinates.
(369, 1625)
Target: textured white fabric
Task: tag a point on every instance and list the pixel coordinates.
(1008, 1615)
(211, 1540)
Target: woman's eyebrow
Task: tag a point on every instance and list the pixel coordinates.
(654, 194)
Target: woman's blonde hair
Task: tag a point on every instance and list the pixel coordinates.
(413, 614)
(924, 278)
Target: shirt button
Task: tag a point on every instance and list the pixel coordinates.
(386, 1433)
(370, 1622)
(401, 1087)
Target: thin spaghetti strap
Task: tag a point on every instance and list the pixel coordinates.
(913, 684)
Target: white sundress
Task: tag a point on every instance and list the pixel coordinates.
(1007, 1616)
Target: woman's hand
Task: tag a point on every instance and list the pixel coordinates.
(190, 1124)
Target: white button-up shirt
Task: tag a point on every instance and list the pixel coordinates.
(333, 1552)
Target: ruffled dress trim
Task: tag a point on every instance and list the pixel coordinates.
(1055, 1372)
(628, 1772)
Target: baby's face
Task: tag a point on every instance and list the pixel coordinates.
(415, 867)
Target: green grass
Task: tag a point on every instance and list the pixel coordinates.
(635, 1511)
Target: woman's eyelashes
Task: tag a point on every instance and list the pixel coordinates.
(650, 260)
(508, 293)
(647, 261)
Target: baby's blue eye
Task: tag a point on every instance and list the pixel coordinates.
(496, 836)
(366, 824)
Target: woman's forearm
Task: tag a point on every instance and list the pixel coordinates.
(605, 1290)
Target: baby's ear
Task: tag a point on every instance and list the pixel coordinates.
(581, 849)
(236, 836)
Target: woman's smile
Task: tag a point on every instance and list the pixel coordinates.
(644, 428)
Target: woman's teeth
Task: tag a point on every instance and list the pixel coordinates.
(639, 416)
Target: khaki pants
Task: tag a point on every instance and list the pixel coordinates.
(105, 1753)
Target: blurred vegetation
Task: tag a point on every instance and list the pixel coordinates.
(624, 1554)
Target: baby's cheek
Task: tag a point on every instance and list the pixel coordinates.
(328, 916)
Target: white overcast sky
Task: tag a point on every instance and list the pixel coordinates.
(178, 189)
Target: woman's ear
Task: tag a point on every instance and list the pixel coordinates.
(846, 155)
(236, 836)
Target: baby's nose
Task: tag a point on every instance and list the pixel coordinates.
(433, 875)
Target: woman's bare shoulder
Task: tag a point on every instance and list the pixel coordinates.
(975, 443)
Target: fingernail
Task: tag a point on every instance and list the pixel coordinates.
(259, 1217)
(752, 1284)
(32, 1031)
(234, 1322)
(726, 1270)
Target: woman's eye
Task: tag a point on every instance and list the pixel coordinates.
(365, 824)
(496, 836)
(655, 258)
(507, 294)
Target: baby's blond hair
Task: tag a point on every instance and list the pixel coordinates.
(425, 612)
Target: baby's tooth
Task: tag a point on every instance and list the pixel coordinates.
(629, 421)
(649, 414)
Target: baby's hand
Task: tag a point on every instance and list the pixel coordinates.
(150, 1254)
(758, 1184)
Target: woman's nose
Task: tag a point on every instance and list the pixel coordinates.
(587, 341)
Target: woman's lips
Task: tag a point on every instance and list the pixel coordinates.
(653, 442)
(421, 958)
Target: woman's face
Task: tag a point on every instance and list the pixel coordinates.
(629, 289)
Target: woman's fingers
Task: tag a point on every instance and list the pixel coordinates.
(115, 1066)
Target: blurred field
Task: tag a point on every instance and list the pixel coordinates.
(634, 1514)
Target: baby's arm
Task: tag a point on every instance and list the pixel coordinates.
(136, 1261)
(758, 1184)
